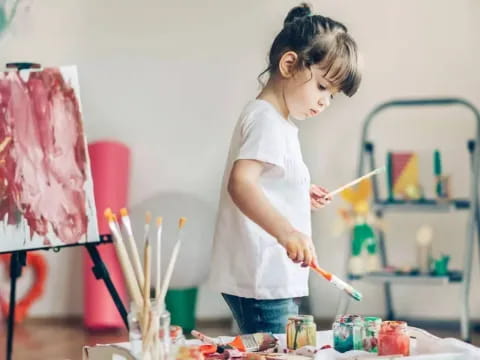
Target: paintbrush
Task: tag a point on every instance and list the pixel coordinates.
(122, 255)
(146, 228)
(135, 257)
(171, 264)
(206, 339)
(159, 256)
(146, 284)
(339, 283)
(356, 181)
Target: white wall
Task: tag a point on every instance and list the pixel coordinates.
(169, 79)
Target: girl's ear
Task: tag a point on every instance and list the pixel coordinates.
(287, 64)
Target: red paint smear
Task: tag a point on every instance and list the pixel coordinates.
(44, 167)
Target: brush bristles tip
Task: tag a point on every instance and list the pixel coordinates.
(181, 222)
(123, 212)
(107, 213)
(356, 295)
(148, 217)
(159, 220)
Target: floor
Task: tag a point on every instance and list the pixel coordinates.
(63, 339)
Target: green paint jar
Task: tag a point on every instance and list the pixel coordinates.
(372, 326)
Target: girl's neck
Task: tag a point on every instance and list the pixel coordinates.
(273, 93)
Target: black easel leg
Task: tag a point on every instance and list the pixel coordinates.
(17, 261)
(100, 271)
(11, 311)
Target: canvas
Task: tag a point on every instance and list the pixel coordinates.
(46, 191)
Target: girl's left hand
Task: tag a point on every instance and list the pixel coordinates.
(319, 197)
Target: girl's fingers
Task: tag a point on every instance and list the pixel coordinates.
(307, 258)
(300, 257)
(293, 255)
(325, 191)
(315, 204)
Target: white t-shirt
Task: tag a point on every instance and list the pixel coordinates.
(247, 261)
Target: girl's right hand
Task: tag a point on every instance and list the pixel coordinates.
(299, 248)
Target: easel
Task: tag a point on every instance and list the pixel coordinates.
(18, 259)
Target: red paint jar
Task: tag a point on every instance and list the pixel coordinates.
(393, 338)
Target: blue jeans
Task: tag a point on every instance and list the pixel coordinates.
(261, 315)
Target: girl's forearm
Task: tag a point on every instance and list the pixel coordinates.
(249, 197)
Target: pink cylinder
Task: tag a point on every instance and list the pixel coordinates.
(110, 163)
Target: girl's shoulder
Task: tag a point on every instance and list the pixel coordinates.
(261, 111)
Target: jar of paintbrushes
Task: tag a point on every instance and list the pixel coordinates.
(149, 321)
(149, 332)
(145, 332)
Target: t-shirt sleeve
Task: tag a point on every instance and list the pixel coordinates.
(263, 139)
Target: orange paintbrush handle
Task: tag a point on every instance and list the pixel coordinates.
(322, 272)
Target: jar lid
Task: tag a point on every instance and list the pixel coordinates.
(393, 325)
(304, 318)
(369, 319)
(348, 318)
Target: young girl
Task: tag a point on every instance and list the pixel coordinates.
(263, 246)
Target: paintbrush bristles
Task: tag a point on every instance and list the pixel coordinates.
(146, 228)
(107, 213)
(342, 285)
(159, 221)
(181, 222)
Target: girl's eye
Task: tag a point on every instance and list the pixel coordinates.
(321, 87)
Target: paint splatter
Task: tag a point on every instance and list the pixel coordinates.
(43, 155)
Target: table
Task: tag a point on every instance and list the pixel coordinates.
(425, 347)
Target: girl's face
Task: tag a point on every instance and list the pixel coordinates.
(307, 93)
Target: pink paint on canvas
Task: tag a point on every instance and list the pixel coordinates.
(43, 159)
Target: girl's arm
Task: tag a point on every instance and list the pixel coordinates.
(249, 197)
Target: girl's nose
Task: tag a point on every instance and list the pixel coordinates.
(324, 102)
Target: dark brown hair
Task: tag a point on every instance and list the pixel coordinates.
(318, 40)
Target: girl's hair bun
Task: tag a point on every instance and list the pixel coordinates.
(298, 12)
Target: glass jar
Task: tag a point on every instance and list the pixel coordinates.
(393, 338)
(165, 340)
(134, 331)
(147, 335)
(372, 328)
(348, 333)
(301, 331)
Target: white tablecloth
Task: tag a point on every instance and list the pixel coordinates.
(425, 347)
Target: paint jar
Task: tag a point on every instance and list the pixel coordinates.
(393, 338)
(348, 332)
(301, 331)
(176, 335)
(372, 326)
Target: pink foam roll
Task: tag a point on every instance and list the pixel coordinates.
(110, 163)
